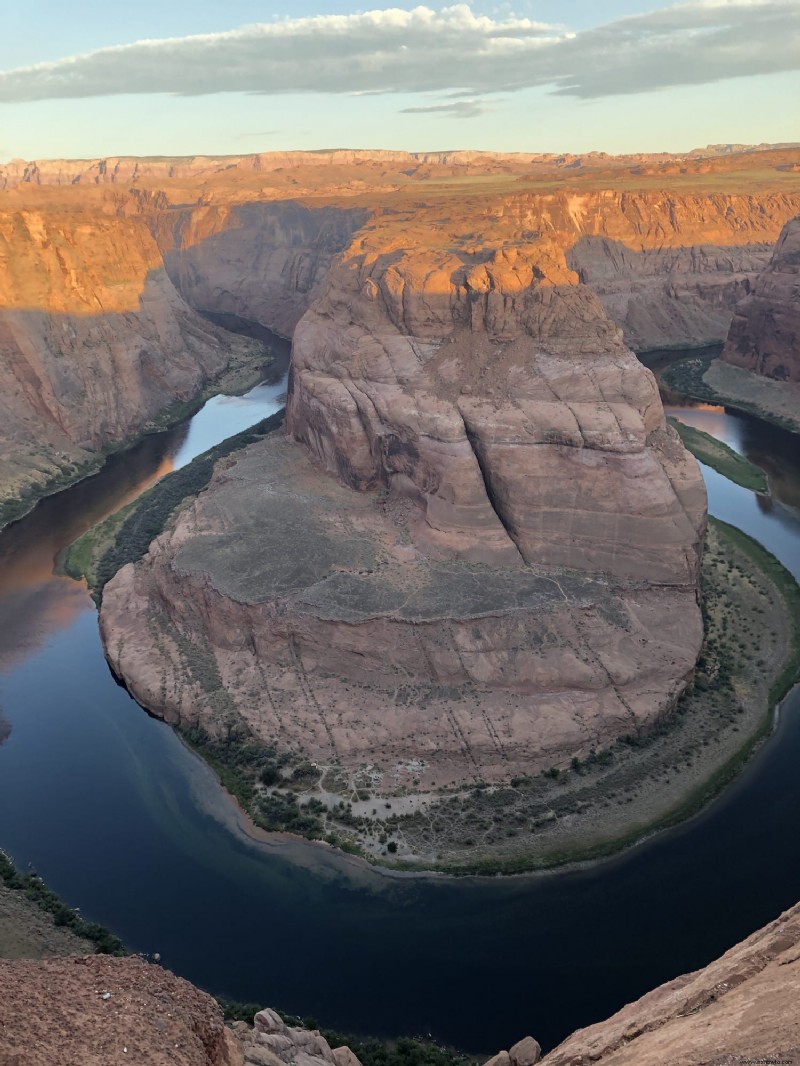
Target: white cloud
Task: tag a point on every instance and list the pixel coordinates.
(468, 108)
(425, 50)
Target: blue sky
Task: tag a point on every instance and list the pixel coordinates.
(91, 79)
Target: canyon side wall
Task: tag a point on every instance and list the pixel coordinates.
(104, 264)
(670, 268)
(99, 322)
(266, 262)
(673, 297)
(94, 341)
(764, 335)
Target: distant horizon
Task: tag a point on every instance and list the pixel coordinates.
(737, 148)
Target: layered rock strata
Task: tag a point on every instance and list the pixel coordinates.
(265, 262)
(482, 559)
(500, 400)
(667, 297)
(764, 335)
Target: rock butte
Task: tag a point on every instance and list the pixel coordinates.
(740, 1008)
(483, 560)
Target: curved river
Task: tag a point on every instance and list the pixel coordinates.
(127, 824)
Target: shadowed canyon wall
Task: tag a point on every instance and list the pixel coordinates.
(765, 332)
(266, 262)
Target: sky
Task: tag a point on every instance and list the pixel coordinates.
(93, 78)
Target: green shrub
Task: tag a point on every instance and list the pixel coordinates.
(63, 915)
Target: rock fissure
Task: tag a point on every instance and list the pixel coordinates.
(494, 501)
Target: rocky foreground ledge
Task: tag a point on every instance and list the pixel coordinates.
(739, 1010)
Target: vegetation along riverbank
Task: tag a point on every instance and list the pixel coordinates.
(720, 457)
(36, 923)
(125, 536)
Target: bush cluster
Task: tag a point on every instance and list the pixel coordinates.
(403, 1051)
(34, 889)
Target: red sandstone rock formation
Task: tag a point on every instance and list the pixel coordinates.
(101, 1011)
(741, 1008)
(94, 340)
(503, 403)
(99, 260)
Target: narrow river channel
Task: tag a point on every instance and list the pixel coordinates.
(125, 823)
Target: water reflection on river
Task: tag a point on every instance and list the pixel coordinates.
(128, 825)
(773, 520)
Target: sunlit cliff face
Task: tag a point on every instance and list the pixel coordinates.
(74, 262)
